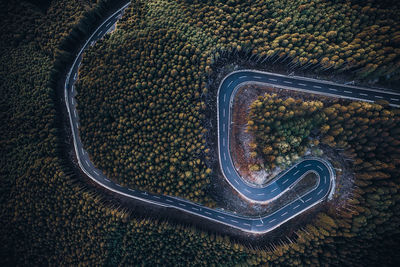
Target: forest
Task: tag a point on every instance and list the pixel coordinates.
(150, 77)
(284, 128)
(162, 54)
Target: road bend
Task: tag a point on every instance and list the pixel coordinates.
(226, 93)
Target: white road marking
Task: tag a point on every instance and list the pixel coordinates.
(284, 214)
(99, 34)
(75, 113)
(83, 152)
(130, 189)
(229, 171)
(118, 185)
(324, 179)
(206, 212)
(296, 172)
(274, 80)
(333, 89)
(193, 208)
(242, 77)
(156, 197)
(221, 217)
(284, 182)
(236, 181)
(302, 84)
(257, 77)
(363, 94)
(224, 153)
(223, 144)
(260, 194)
(107, 180)
(87, 162)
(183, 205)
(75, 76)
(308, 165)
(347, 92)
(301, 200)
(223, 113)
(108, 24)
(274, 189)
(394, 99)
(378, 96)
(247, 190)
(77, 125)
(320, 191)
(295, 207)
(316, 86)
(96, 172)
(319, 167)
(308, 199)
(272, 220)
(258, 225)
(223, 127)
(72, 101)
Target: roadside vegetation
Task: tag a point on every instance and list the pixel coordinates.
(367, 134)
(50, 216)
(141, 91)
(282, 128)
(285, 128)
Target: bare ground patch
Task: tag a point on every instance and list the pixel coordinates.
(240, 139)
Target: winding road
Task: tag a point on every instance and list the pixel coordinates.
(326, 176)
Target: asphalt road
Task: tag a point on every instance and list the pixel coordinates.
(284, 182)
(226, 93)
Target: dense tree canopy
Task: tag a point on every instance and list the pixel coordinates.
(140, 90)
(150, 112)
(282, 127)
(161, 55)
